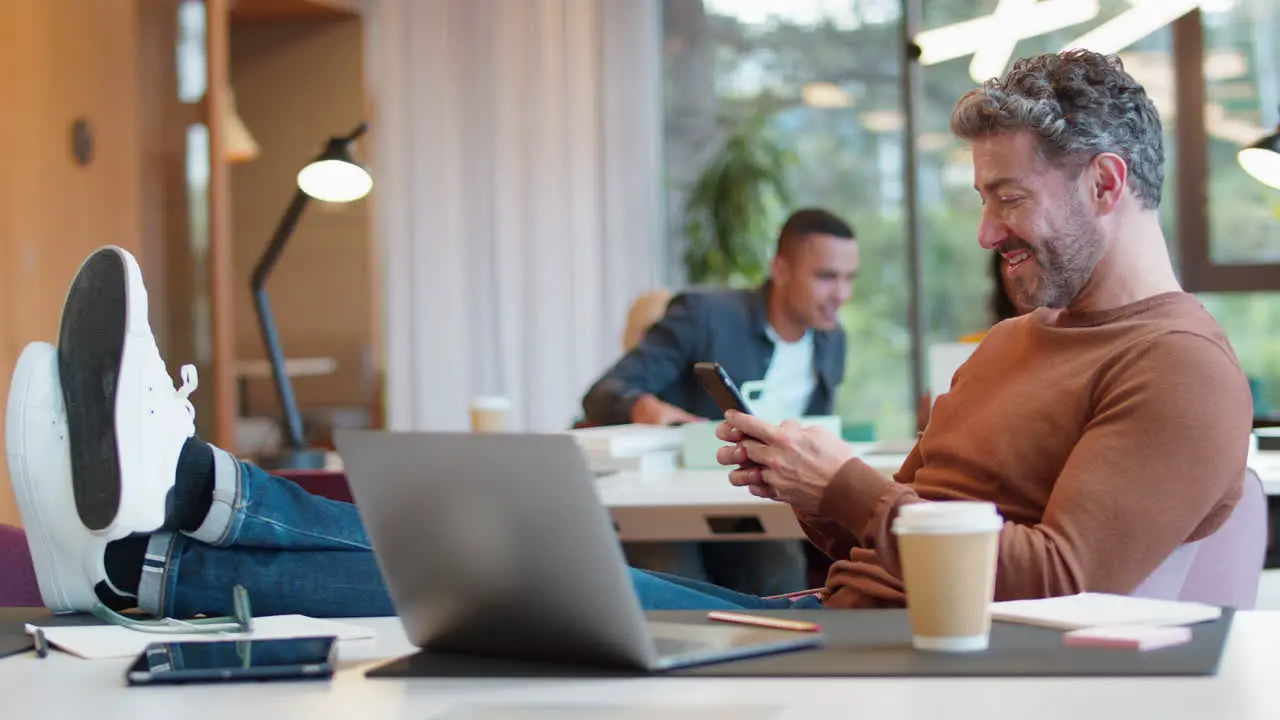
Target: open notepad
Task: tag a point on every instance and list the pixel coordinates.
(1086, 610)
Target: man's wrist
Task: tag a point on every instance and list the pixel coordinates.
(632, 398)
(853, 494)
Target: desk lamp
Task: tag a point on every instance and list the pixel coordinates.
(1262, 160)
(333, 176)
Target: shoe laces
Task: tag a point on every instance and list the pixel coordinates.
(190, 381)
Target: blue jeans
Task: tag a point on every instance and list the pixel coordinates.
(295, 552)
(660, 591)
(759, 567)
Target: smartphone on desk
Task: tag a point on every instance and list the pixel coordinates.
(214, 661)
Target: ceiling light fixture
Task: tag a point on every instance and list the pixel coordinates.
(1262, 160)
(1013, 20)
(1130, 26)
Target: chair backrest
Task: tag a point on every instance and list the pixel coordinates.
(18, 586)
(1224, 568)
(1228, 567)
(646, 310)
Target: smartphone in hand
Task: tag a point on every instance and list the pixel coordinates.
(716, 381)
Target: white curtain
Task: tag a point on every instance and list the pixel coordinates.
(517, 165)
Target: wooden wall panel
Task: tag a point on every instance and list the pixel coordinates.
(62, 59)
(269, 11)
(221, 278)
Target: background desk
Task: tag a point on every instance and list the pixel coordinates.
(65, 687)
(702, 505)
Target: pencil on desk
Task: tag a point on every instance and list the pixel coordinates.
(767, 622)
(797, 594)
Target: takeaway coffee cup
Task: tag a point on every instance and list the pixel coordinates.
(948, 553)
(490, 414)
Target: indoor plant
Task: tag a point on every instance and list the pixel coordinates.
(734, 207)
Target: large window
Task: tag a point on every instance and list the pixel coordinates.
(825, 74)
(1241, 104)
(1242, 95)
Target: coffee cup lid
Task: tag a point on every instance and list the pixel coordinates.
(490, 402)
(947, 517)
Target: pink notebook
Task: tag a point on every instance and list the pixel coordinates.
(1128, 637)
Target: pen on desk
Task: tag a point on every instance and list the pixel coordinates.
(766, 622)
(42, 644)
(797, 594)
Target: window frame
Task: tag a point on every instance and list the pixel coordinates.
(1194, 243)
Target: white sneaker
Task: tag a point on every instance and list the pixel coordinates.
(126, 423)
(68, 559)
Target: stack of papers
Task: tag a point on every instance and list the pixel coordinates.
(630, 447)
(96, 642)
(1087, 610)
(627, 440)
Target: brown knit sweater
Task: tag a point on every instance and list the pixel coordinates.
(1105, 438)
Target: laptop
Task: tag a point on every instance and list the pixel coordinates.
(496, 545)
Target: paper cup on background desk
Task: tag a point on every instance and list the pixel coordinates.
(948, 552)
(490, 414)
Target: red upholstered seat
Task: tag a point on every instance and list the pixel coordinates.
(18, 586)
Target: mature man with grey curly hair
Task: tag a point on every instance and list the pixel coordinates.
(1069, 156)
(1109, 425)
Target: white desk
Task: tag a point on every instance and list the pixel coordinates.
(1267, 464)
(1245, 689)
(701, 505)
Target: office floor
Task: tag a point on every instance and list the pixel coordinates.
(1269, 590)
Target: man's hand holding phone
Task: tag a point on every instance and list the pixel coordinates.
(716, 381)
(792, 464)
(748, 474)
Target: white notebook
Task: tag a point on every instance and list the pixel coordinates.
(95, 642)
(1072, 612)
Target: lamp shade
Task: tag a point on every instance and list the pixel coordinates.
(239, 145)
(1262, 160)
(334, 176)
(337, 181)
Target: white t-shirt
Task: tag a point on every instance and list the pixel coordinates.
(790, 380)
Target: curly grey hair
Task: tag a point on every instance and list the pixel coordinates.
(1079, 103)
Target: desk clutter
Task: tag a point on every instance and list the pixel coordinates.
(1092, 610)
(93, 640)
(639, 448)
(1028, 639)
(873, 643)
(649, 447)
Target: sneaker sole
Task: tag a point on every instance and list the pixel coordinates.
(91, 343)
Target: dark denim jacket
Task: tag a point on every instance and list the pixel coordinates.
(724, 326)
